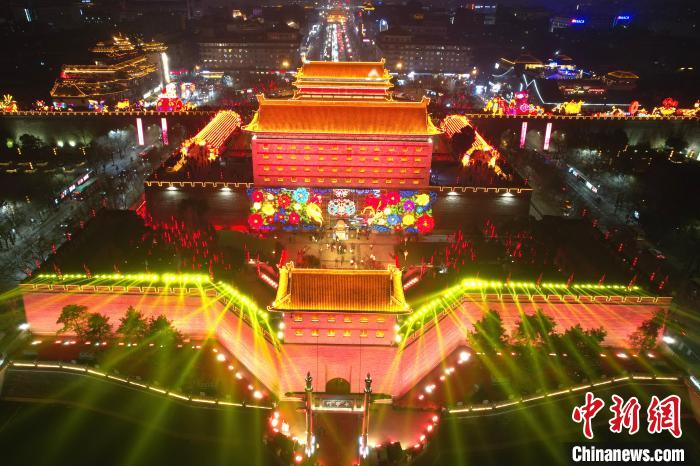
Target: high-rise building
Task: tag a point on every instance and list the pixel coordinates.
(407, 52)
(257, 51)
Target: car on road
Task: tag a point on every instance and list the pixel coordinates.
(656, 253)
(567, 208)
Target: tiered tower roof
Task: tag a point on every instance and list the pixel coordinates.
(382, 117)
(343, 80)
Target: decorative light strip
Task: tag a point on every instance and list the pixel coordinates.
(454, 293)
(241, 300)
(559, 393)
(140, 277)
(88, 370)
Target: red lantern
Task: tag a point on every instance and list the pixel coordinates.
(283, 200)
(425, 223)
(255, 221)
(258, 196)
(372, 201)
(392, 198)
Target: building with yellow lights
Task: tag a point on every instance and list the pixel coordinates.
(336, 15)
(343, 306)
(342, 128)
(122, 70)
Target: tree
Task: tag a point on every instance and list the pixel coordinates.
(97, 328)
(677, 143)
(646, 337)
(162, 332)
(177, 134)
(584, 343)
(462, 141)
(612, 140)
(83, 135)
(583, 348)
(489, 335)
(133, 326)
(30, 142)
(73, 318)
(117, 141)
(534, 329)
(153, 134)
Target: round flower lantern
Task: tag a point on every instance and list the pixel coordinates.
(425, 223)
(255, 221)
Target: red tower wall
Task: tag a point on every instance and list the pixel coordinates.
(339, 328)
(330, 161)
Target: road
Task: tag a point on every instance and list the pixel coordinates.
(34, 240)
(334, 39)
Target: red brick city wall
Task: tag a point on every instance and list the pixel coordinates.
(196, 316)
(283, 370)
(422, 355)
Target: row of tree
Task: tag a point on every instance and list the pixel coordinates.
(133, 326)
(538, 331)
(534, 338)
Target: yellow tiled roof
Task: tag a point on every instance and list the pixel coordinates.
(339, 290)
(342, 117)
(365, 70)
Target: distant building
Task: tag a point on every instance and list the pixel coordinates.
(584, 20)
(406, 52)
(266, 51)
(523, 63)
(559, 67)
(621, 80)
(62, 14)
(122, 70)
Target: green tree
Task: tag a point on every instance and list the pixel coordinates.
(646, 337)
(489, 335)
(535, 329)
(30, 142)
(162, 332)
(677, 143)
(577, 337)
(583, 348)
(97, 328)
(133, 326)
(73, 318)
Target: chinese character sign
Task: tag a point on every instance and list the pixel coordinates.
(662, 415)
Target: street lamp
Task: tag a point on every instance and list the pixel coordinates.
(399, 65)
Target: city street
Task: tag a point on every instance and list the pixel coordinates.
(35, 239)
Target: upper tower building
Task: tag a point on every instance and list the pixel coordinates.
(343, 129)
(344, 80)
